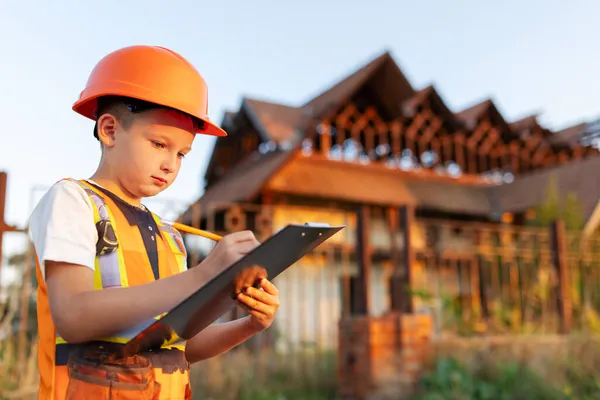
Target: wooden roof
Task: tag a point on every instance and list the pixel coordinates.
(242, 184)
(285, 170)
(387, 78)
(523, 124)
(289, 172)
(568, 136)
(470, 115)
(281, 121)
(578, 177)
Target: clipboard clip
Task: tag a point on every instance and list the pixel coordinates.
(318, 224)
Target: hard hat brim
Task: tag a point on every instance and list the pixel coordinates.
(87, 106)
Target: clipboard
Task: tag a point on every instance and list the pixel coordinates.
(214, 299)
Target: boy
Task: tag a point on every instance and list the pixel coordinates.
(105, 264)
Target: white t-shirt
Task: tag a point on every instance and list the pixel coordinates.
(62, 227)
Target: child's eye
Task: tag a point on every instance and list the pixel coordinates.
(180, 155)
(158, 145)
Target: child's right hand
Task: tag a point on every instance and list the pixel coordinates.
(230, 249)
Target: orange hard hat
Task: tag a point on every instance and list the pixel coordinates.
(152, 74)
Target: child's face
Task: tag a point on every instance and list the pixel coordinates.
(147, 156)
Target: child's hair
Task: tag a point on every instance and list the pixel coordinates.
(124, 108)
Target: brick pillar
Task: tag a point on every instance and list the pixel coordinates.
(381, 356)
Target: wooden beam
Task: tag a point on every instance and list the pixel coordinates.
(396, 128)
(436, 148)
(474, 139)
(525, 159)
(539, 154)
(430, 131)
(563, 286)
(460, 151)
(4, 227)
(393, 222)
(359, 285)
(534, 141)
(472, 164)
(369, 144)
(371, 114)
(494, 159)
(340, 135)
(448, 155)
(325, 138)
(401, 280)
(413, 130)
(383, 134)
(492, 140)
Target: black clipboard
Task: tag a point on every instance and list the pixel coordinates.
(214, 299)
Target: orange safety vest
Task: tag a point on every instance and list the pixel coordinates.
(69, 371)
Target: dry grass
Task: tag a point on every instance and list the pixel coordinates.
(246, 375)
(17, 380)
(571, 364)
(549, 356)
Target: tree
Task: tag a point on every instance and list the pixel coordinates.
(551, 209)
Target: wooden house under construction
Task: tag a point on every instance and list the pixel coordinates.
(388, 160)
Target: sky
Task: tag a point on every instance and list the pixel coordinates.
(529, 57)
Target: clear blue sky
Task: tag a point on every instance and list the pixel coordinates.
(528, 55)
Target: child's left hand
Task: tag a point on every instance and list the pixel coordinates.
(262, 304)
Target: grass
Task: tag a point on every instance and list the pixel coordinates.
(515, 367)
(509, 367)
(245, 375)
(451, 380)
(551, 367)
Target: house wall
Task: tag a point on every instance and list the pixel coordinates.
(312, 291)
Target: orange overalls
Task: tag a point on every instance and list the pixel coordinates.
(69, 371)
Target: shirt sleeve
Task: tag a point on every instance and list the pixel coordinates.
(62, 228)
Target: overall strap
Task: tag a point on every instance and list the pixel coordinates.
(110, 269)
(175, 241)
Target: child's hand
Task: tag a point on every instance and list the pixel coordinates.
(262, 304)
(229, 250)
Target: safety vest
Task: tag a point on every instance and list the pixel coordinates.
(121, 261)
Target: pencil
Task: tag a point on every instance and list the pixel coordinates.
(195, 231)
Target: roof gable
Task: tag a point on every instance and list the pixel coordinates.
(286, 125)
(280, 122)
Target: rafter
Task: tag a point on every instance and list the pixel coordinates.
(475, 151)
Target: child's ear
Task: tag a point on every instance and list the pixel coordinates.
(107, 128)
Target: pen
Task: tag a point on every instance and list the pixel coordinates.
(195, 231)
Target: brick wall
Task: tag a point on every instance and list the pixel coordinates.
(381, 356)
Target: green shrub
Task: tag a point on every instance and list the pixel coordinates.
(450, 380)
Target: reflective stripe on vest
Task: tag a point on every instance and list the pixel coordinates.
(110, 270)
